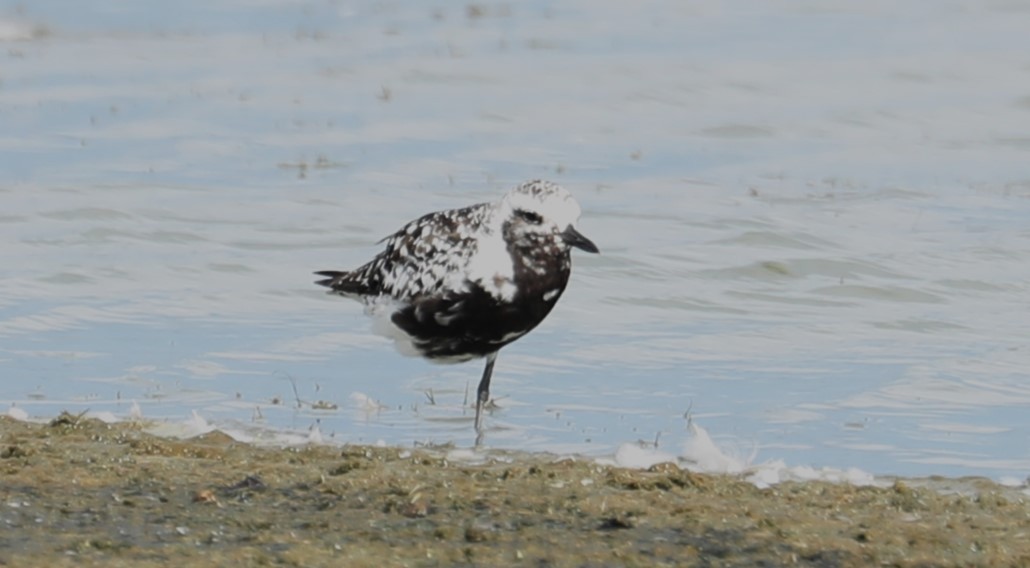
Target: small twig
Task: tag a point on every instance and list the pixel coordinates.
(293, 383)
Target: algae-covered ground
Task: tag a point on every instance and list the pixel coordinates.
(81, 492)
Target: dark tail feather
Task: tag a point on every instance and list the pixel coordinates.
(333, 278)
(343, 283)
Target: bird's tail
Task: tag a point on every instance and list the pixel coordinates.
(333, 278)
(344, 283)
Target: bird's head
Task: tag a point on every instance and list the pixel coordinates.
(541, 209)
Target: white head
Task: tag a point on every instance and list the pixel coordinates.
(543, 209)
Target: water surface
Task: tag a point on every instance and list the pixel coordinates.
(813, 219)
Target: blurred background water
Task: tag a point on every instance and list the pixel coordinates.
(813, 216)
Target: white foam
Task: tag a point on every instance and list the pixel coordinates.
(463, 455)
(1012, 481)
(135, 412)
(773, 472)
(315, 435)
(195, 425)
(17, 413)
(705, 455)
(104, 416)
(702, 454)
(638, 457)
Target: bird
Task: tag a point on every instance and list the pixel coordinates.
(461, 284)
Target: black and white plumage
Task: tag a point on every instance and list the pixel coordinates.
(456, 285)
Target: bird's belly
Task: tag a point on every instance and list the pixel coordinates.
(443, 348)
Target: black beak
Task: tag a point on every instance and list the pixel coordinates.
(576, 239)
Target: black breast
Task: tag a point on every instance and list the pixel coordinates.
(474, 323)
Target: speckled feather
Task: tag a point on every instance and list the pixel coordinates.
(426, 257)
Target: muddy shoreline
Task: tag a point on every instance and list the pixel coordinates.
(83, 492)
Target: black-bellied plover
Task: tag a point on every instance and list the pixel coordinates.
(460, 284)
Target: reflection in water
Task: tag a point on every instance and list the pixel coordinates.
(815, 247)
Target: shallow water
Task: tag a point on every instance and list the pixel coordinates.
(813, 219)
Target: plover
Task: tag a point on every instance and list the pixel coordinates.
(460, 284)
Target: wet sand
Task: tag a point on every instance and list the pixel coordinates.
(80, 492)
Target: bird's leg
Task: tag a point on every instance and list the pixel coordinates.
(483, 392)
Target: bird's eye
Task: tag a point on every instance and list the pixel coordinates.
(530, 217)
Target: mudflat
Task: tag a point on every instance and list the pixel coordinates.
(80, 492)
